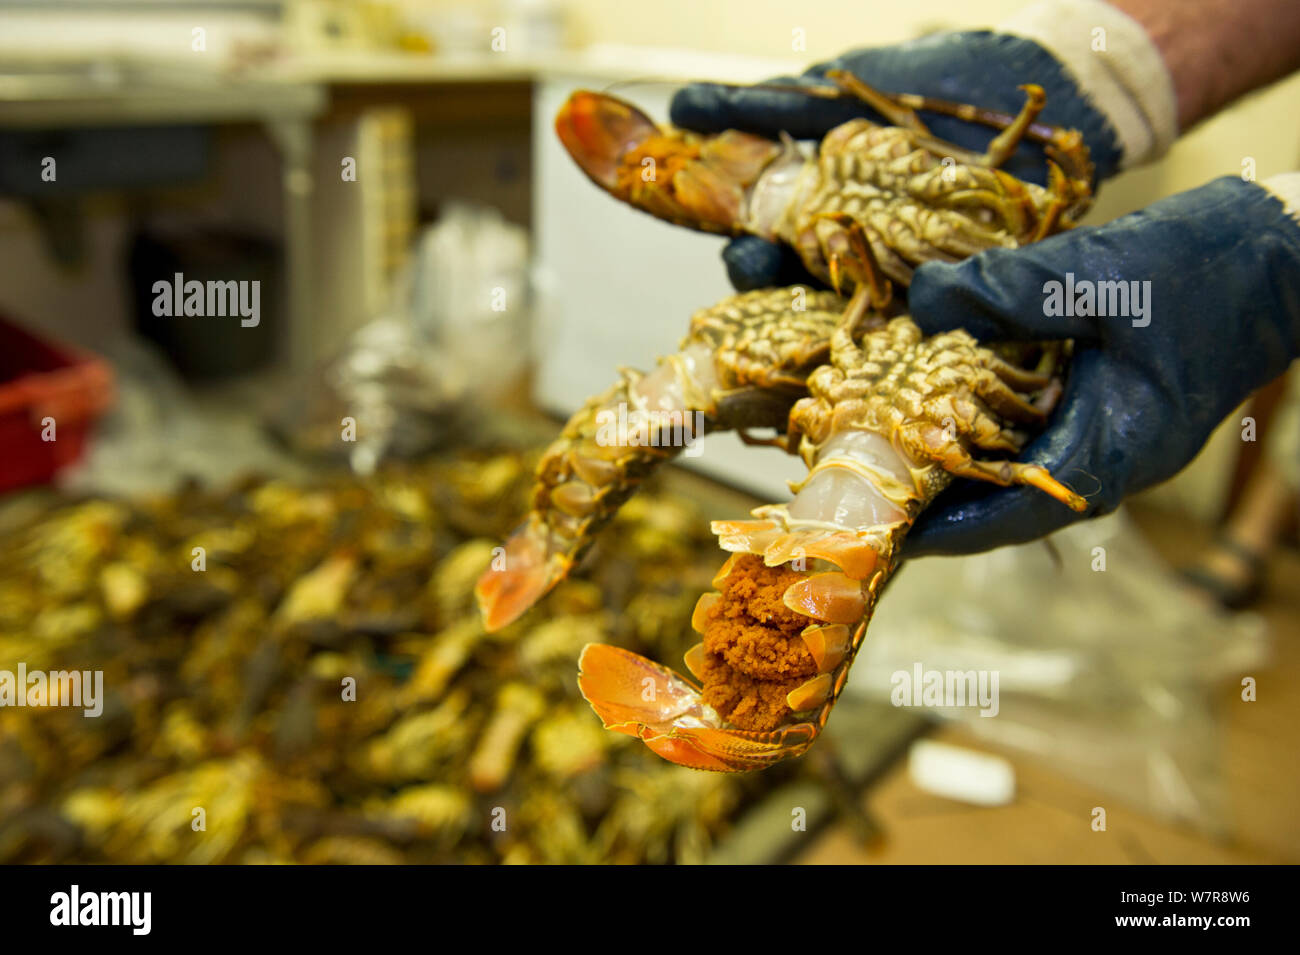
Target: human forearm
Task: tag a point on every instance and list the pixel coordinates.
(1218, 50)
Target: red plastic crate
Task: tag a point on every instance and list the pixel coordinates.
(39, 379)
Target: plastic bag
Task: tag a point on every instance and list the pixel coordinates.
(470, 295)
(454, 342)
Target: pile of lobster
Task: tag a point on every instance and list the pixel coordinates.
(883, 416)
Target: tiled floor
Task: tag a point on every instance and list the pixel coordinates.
(1050, 818)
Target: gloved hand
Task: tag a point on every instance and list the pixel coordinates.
(1123, 105)
(1213, 313)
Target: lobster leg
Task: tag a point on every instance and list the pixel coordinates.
(1070, 170)
(897, 113)
(848, 252)
(1009, 198)
(1065, 146)
(1063, 197)
(1006, 142)
(901, 111)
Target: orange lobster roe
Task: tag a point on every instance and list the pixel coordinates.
(669, 154)
(754, 655)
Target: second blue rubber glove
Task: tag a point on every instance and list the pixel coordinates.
(1178, 312)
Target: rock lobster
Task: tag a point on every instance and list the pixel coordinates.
(916, 197)
(883, 416)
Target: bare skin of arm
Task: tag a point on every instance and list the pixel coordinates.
(1218, 50)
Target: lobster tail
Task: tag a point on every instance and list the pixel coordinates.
(583, 479)
(533, 561)
(777, 645)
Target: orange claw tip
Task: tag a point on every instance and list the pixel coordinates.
(505, 595)
(598, 130)
(832, 597)
(518, 577)
(1042, 479)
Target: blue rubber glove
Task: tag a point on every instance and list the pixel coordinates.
(981, 68)
(1220, 317)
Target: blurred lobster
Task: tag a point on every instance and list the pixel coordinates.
(883, 417)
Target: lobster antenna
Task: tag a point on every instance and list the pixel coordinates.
(616, 85)
(1040, 133)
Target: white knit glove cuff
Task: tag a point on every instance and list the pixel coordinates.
(1286, 186)
(1114, 63)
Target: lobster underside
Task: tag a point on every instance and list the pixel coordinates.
(888, 423)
